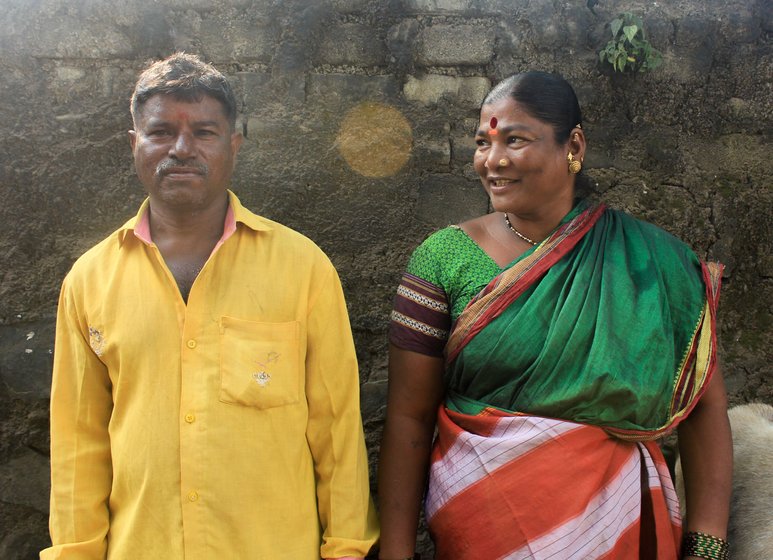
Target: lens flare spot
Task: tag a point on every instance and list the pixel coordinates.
(375, 139)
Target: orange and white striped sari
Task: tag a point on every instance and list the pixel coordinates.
(526, 487)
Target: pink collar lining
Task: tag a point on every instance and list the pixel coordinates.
(142, 229)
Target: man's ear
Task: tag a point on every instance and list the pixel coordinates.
(236, 142)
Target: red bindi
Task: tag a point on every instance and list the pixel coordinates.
(493, 124)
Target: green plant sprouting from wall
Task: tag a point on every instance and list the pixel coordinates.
(629, 50)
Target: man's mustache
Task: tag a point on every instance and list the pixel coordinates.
(168, 164)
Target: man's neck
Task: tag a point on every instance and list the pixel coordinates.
(194, 225)
(186, 239)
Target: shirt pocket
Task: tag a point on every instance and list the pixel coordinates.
(259, 363)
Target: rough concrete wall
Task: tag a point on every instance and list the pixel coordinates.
(686, 147)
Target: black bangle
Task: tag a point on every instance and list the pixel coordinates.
(705, 546)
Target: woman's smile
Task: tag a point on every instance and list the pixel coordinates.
(500, 186)
(496, 183)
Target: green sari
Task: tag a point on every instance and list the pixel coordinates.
(608, 322)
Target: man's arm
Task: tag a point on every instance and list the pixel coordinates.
(334, 430)
(81, 473)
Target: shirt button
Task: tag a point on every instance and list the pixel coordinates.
(193, 496)
(191, 343)
(190, 418)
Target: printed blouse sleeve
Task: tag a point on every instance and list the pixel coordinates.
(421, 319)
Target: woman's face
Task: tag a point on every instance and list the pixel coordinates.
(522, 167)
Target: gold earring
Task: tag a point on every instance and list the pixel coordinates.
(503, 162)
(574, 165)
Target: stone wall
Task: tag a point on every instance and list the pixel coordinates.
(358, 117)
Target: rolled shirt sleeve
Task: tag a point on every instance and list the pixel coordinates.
(81, 405)
(334, 431)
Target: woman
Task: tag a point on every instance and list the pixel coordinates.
(551, 342)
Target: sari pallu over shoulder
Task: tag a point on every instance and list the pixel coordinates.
(610, 322)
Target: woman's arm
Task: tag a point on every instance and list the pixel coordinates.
(706, 449)
(415, 392)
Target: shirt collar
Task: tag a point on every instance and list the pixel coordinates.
(244, 216)
(139, 225)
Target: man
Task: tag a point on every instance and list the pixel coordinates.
(205, 398)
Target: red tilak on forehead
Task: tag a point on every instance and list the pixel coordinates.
(182, 115)
(493, 124)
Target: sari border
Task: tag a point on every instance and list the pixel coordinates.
(701, 364)
(511, 283)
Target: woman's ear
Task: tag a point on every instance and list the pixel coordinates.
(577, 143)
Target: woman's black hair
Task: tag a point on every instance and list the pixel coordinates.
(546, 97)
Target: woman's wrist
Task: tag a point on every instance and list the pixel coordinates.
(703, 545)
